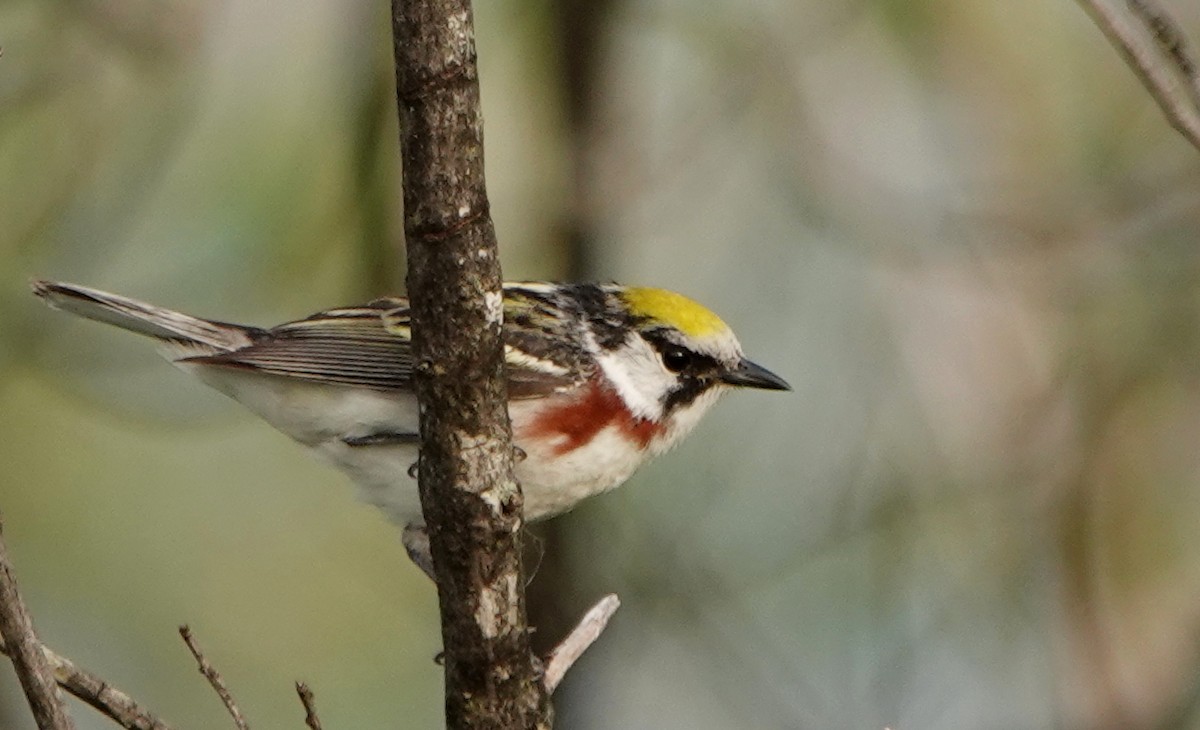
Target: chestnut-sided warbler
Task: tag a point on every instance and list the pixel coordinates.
(601, 378)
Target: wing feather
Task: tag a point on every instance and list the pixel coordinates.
(347, 346)
(368, 347)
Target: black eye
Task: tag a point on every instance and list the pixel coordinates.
(676, 359)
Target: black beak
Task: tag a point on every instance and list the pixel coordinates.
(749, 375)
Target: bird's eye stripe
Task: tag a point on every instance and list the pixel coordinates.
(679, 358)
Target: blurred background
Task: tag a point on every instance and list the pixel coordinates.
(960, 228)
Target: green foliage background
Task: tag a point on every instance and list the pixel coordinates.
(961, 229)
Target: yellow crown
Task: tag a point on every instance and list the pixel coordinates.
(674, 310)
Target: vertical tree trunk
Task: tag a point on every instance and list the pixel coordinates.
(472, 504)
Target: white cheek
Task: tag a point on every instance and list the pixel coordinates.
(637, 373)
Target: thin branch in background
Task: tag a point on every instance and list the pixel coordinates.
(1169, 36)
(564, 656)
(214, 678)
(102, 696)
(26, 652)
(1155, 48)
(310, 707)
(85, 686)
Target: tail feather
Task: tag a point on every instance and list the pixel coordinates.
(142, 318)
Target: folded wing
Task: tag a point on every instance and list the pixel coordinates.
(367, 346)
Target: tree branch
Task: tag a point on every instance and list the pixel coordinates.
(102, 696)
(25, 650)
(108, 700)
(310, 706)
(472, 504)
(214, 678)
(1155, 48)
(564, 656)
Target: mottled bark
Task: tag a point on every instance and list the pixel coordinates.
(28, 658)
(472, 504)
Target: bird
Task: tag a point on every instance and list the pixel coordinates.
(601, 379)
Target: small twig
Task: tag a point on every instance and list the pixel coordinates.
(585, 633)
(1154, 47)
(1167, 34)
(108, 700)
(214, 678)
(29, 661)
(103, 697)
(310, 707)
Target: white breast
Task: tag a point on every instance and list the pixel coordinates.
(321, 416)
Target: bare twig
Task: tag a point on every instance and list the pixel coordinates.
(214, 678)
(1168, 34)
(310, 708)
(102, 696)
(108, 700)
(1154, 47)
(33, 670)
(585, 633)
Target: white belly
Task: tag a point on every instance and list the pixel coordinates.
(321, 416)
(551, 484)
